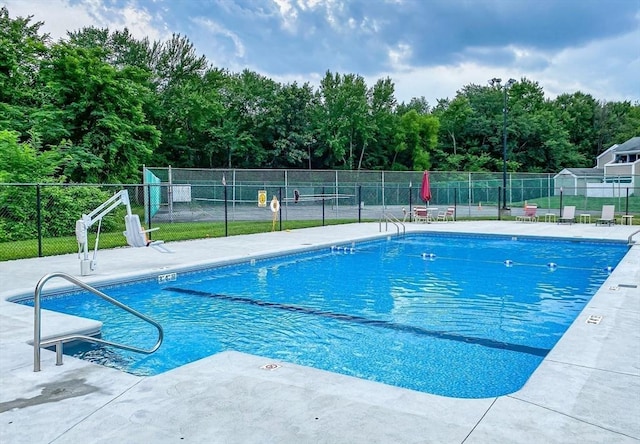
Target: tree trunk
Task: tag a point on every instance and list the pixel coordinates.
(364, 147)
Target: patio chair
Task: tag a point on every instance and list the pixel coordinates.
(529, 214)
(420, 214)
(137, 236)
(447, 215)
(607, 216)
(568, 215)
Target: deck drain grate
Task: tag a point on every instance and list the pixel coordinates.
(594, 319)
(270, 366)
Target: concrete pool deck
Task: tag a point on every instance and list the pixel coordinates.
(587, 390)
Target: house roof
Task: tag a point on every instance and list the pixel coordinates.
(630, 146)
(608, 150)
(583, 172)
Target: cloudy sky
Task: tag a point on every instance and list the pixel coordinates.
(428, 48)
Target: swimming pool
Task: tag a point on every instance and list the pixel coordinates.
(462, 316)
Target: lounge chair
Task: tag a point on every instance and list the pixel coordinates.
(607, 216)
(420, 214)
(529, 214)
(568, 215)
(137, 236)
(447, 215)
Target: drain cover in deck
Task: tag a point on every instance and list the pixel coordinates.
(594, 319)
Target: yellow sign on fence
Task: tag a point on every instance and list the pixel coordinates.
(262, 198)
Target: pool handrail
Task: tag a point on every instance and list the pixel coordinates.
(629, 240)
(58, 341)
(394, 220)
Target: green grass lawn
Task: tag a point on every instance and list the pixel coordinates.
(590, 204)
(201, 230)
(167, 232)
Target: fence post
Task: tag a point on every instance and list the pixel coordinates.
(499, 198)
(360, 202)
(323, 206)
(170, 194)
(410, 202)
(470, 193)
(626, 205)
(455, 204)
(510, 192)
(39, 219)
(280, 209)
(382, 183)
(147, 202)
(226, 222)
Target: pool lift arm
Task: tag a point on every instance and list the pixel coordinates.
(88, 220)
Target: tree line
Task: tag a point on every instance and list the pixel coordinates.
(97, 105)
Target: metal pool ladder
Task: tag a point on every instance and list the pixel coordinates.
(629, 240)
(394, 220)
(58, 341)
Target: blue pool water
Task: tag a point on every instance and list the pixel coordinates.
(459, 316)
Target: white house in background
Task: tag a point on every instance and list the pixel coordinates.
(617, 170)
(573, 181)
(605, 157)
(622, 162)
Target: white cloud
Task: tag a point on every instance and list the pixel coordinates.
(60, 16)
(309, 4)
(399, 55)
(288, 13)
(606, 69)
(140, 24)
(437, 82)
(217, 29)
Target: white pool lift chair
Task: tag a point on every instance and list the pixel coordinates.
(135, 234)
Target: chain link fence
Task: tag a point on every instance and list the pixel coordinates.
(39, 219)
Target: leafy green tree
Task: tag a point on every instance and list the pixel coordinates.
(542, 144)
(60, 206)
(103, 114)
(630, 125)
(104, 103)
(418, 104)
(481, 135)
(294, 108)
(452, 115)
(344, 118)
(616, 122)
(249, 119)
(577, 113)
(382, 128)
(23, 50)
(121, 49)
(22, 163)
(177, 73)
(418, 135)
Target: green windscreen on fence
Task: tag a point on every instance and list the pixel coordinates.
(153, 191)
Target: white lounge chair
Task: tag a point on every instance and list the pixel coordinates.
(608, 215)
(568, 215)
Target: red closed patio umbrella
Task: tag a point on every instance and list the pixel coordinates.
(425, 189)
